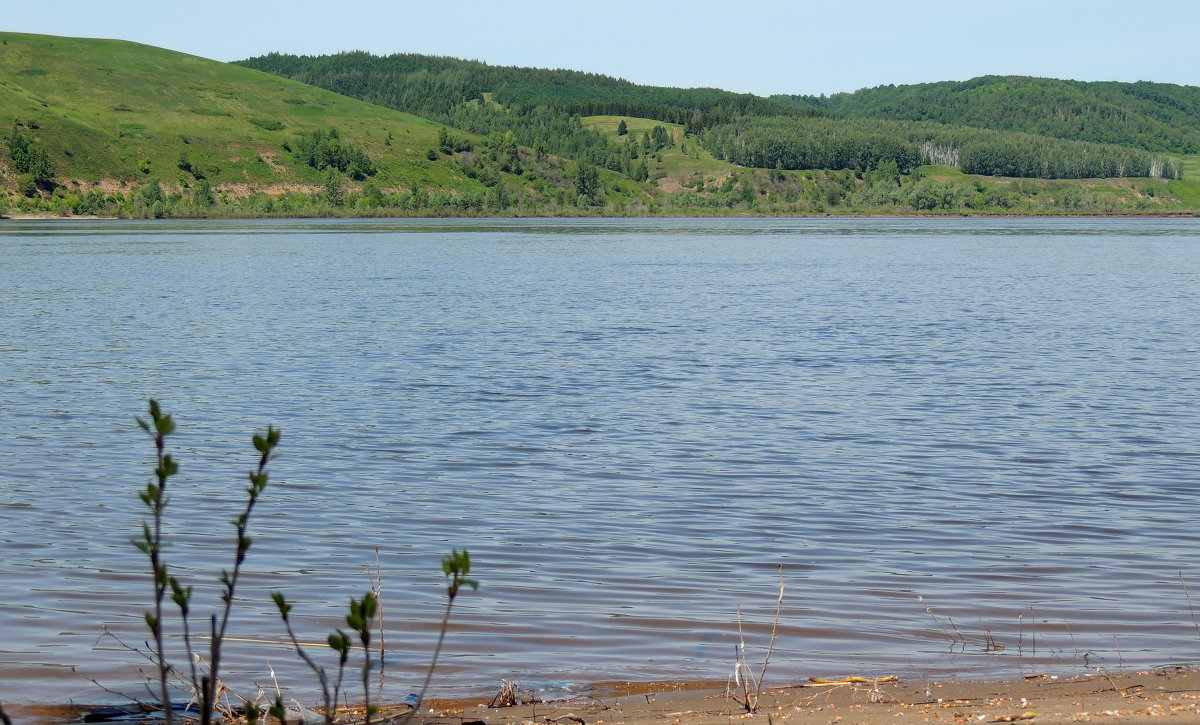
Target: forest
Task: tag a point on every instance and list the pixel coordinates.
(1159, 117)
(831, 143)
(856, 131)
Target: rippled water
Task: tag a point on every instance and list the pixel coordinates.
(630, 424)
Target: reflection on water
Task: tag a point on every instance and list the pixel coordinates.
(630, 424)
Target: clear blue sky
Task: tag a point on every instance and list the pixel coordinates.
(757, 46)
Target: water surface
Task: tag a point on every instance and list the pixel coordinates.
(630, 424)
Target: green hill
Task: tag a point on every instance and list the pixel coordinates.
(111, 116)
(1158, 117)
(113, 110)
(117, 128)
(540, 107)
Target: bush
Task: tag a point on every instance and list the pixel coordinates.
(268, 124)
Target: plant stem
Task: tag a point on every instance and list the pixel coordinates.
(762, 674)
(258, 481)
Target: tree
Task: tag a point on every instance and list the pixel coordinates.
(332, 191)
(150, 193)
(27, 158)
(372, 196)
(587, 181)
(202, 194)
(622, 128)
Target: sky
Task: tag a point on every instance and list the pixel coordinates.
(753, 46)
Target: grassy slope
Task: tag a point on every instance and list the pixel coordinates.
(103, 108)
(677, 165)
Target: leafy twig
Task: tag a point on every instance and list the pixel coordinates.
(265, 445)
(154, 497)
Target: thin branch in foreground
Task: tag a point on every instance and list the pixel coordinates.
(929, 611)
(762, 673)
(1191, 606)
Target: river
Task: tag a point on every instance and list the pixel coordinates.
(630, 424)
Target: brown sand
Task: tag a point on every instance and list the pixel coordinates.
(1140, 697)
(1163, 695)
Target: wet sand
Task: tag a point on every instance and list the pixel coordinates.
(1168, 694)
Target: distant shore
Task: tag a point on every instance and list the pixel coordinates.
(947, 215)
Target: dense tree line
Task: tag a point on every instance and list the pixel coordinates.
(433, 86)
(421, 84)
(451, 91)
(541, 109)
(1152, 116)
(695, 108)
(826, 143)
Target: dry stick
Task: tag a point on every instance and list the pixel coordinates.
(377, 589)
(762, 674)
(379, 604)
(739, 663)
(1191, 607)
(929, 611)
(148, 655)
(1033, 631)
(1073, 645)
(145, 707)
(956, 630)
(1120, 657)
(1020, 634)
(1050, 647)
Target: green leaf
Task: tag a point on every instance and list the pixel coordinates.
(281, 603)
(164, 425)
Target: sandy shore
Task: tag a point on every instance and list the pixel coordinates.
(1149, 696)
(1168, 694)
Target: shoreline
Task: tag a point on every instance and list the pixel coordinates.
(19, 217)
(1169, 693)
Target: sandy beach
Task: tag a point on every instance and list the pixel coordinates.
(1164, 694)
(1136, 697)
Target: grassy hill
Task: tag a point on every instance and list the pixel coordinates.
(114, 115)
(124, 112)
(1159, 117)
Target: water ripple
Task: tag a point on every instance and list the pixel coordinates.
(631, 424)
